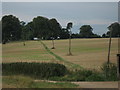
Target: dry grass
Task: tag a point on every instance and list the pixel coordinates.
(89, 53)
(32, 52)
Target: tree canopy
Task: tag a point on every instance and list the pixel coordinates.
(86, 31)
(11, 28)
(55, 28)
(114, 28)
(41, 27)
(69, 25)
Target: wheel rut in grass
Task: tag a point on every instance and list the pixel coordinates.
(67, 63)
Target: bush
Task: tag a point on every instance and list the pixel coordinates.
(90, 75)
(110, 71)
(82, 74)
(95, 77)
(79, 75)
(42, 70)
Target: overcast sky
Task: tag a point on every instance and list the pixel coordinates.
(99, 15)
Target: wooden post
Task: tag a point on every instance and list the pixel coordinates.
(118, 70)
(53, 44)
(70, 43)
(109, 49)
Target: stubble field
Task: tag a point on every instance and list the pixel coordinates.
(88, 53)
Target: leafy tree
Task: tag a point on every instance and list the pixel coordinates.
(23, 36)
(64, 34)
(114, 28)
(86, 31)
(75, 35)
(11, 28)
(104, 35)
(69, 25)
(55, 29)
(28, 32)
(0, 31)
(40, 27)
(95, 36)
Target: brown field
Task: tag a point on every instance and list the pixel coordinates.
(32, 52)
(89, 53)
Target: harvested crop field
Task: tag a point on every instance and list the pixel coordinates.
(89, 53)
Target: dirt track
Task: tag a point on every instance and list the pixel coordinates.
(97, 84)
(90, 84)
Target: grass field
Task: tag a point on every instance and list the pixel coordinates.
(32, 52)
(19, 81)
(87, 53)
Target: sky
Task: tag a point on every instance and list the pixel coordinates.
(97, 14)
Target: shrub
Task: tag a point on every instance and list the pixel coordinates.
(91, 75)
(79, 75)
(109, 71)
(95, 77)
(82, 74)
(42, 70)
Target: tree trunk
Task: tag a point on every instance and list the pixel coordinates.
(70, 44)
(109, 49)
(53, 44)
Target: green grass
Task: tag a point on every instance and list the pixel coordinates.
(53, 85)
(68, 64)
(21, 81)
(86, 52)
(16, 81)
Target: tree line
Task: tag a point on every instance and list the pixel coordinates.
(41, 27)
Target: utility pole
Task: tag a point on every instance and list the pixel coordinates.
(70, 42)
(109, 49)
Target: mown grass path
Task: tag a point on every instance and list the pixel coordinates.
(67, 63)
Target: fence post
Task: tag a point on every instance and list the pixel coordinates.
(118, 70)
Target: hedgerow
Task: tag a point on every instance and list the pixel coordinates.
(41, 70)
(59, 72)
